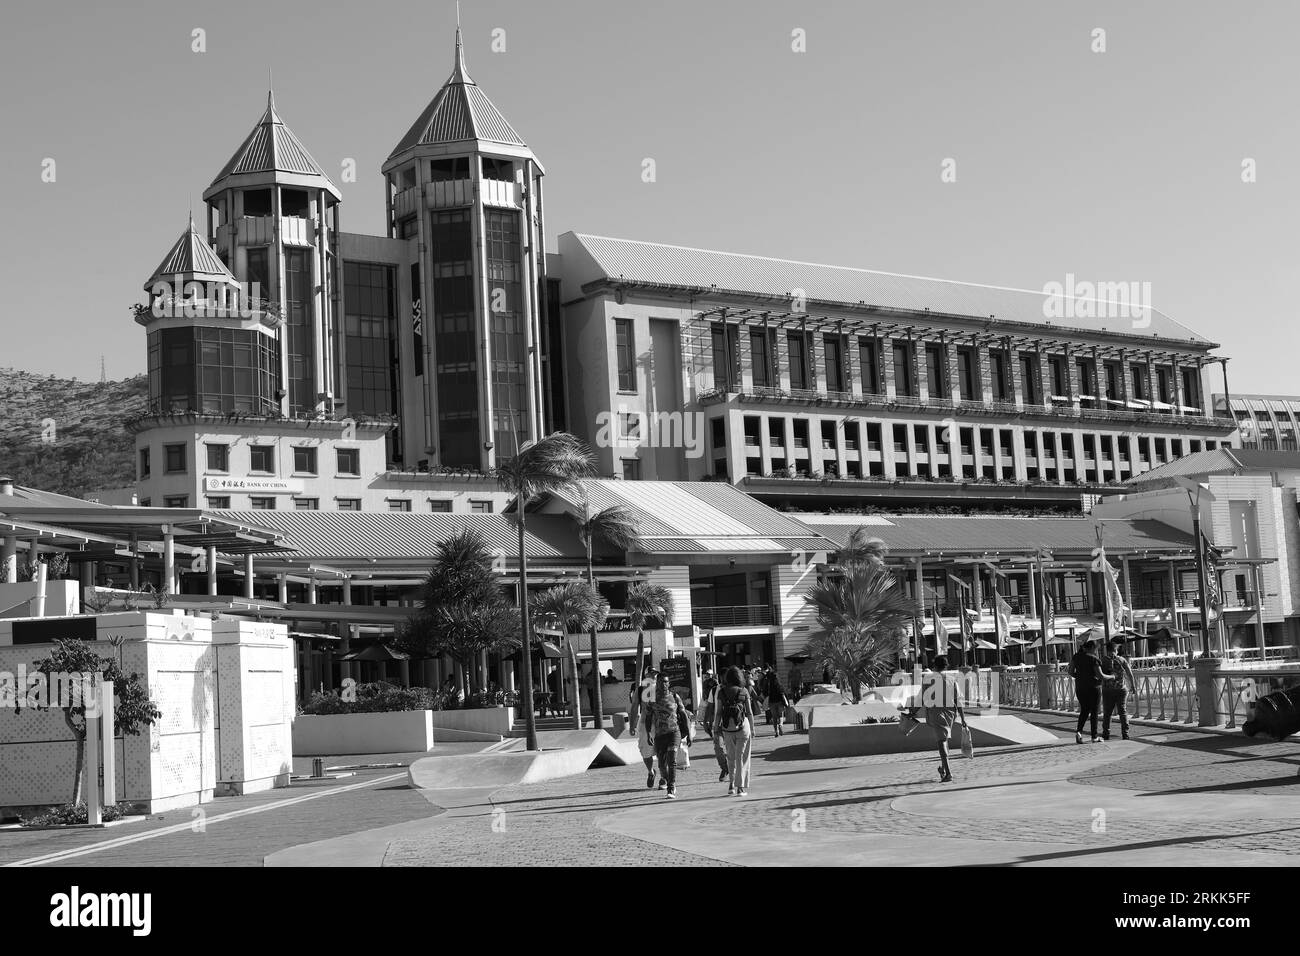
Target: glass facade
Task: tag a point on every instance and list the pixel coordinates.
(509, 344)
(298, 328)
(369, 296)
(213, 370)
(455, 362)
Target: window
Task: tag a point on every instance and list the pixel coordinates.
(408, 227)
(262, 504)
(1112, 370)
(998, 372)
(399, 504)
(261, 459)
(501, 170)
(629, 427)
(625, 352)
(257, 202)
(869, 358)
(726, 360)
(174, 456)
(348, 504)
(1162, 386)
(449, 170)
(349, 461)
(631, 469)
(218, 457)
(1192, 388)
(1029, 379)
(967, 379)
(936, 370)
(408, 177)
(144, 462)
(304, 461)
(219, 502)
(306, 504)
(370, 328)
(834, 363)
(483, 507)
(759, 358)
(440, 505)
(903, 384)
(146, 502)
(1138, 374)
(1087, 379)
(294, 202)
(795, 344)
(1060, 386)
(176, 501)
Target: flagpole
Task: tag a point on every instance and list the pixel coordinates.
(1042, 604)
(1105, 589)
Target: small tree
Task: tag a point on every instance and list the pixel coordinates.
(572, 608)
(645, 601)
(464, 611)
(615, 525)
(133, 709)
(860, 614)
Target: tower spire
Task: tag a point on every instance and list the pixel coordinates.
(461, 72)
(270, 89)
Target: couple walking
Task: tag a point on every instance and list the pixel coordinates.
(1101, 681)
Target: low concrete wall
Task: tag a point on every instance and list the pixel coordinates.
(403, 731)
(857, 740)
(62, 598)
(480, 720)
(839, 715)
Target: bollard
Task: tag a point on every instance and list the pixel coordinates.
(317, 767)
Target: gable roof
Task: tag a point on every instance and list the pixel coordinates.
(916, 535)
(1220, 461)
(655, 264)
(460, 112)
(696, 517)
(271, 148)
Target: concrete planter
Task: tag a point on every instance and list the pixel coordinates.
(858, 740)
(490, 721)
(326, 735)
(62, 598)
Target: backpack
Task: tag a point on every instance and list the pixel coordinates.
(667, 716)
(731, 714)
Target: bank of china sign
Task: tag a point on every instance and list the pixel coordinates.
(274, 486)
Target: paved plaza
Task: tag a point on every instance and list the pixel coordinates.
(1166, 798)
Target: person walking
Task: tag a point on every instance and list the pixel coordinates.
(796, 683)
(715, 731)
(1088, 673)
(710, 686)
(735, 718)
(941, 698)
(644, 740)
(1114, 692)
(670, 727)
(776, 702)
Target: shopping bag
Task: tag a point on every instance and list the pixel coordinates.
(908, 722)
(683, 755)
(967, 744)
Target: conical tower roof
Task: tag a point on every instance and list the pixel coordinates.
(192, 259)
(460, 113)
(272, 153)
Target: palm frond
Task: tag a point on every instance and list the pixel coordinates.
(549, 464)
(646, 601)
(861, 548)
(575, 607)
(614, 525)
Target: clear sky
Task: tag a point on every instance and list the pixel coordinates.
(1122, 166)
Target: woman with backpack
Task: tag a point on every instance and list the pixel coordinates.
(776, 701)
(735, 719)
(668, 724)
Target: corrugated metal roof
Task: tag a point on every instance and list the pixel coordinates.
(1222, 461)
(192, 258)
(978, 534)
(272, 148)
(634, 261)
(344, 535)
(460, 112)
(690, 517)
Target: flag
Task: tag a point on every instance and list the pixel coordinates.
(1212, 597)
(1049, 619)
(1002, 613)
(940, 634)
(1115, 606)
(967, 633)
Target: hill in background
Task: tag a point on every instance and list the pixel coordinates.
(66, 436)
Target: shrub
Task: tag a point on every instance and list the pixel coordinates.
(72, 813)
(879, 720)
(375, 698)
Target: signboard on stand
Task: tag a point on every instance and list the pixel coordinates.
(680, 678)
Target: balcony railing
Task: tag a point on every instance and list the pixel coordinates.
(735, 615)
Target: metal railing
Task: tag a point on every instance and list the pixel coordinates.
(735, 615)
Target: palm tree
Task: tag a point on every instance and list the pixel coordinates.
(545, 466)
(860, 614)
(571, 609)
(645, 601)
(615, 525)
(862, 548)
